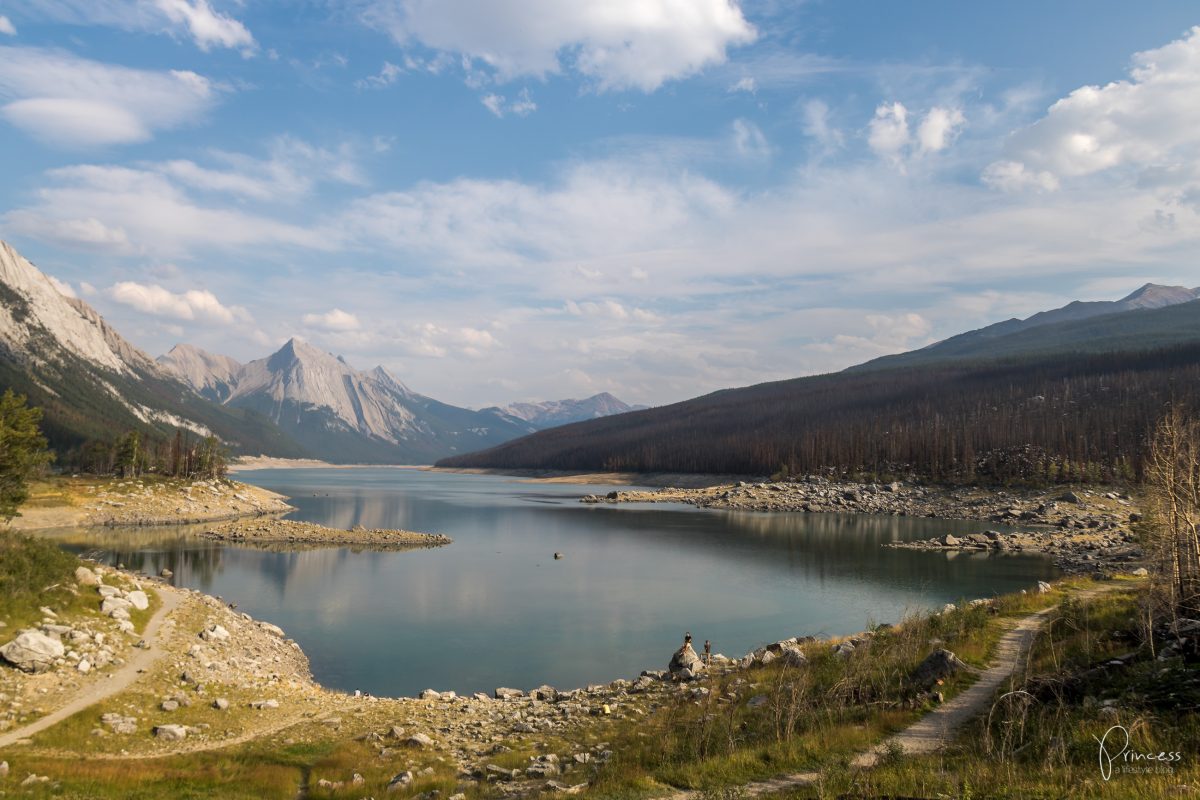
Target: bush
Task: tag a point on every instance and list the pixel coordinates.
(28, 567)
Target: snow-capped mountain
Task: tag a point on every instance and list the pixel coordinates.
(552, 413)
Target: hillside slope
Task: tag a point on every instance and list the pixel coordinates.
(1079, 393)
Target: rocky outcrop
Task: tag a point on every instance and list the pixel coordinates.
(33, 651)
(685, 663)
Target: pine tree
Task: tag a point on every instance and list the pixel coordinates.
(22, 451)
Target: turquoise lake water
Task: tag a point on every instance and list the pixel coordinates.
(495, 609)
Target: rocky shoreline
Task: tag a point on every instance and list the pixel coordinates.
(1083, 530)
(140, 503)
(308, 533)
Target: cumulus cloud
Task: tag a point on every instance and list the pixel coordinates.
(891, 137)
(1151, 119)
(198, 305)
(939, 128)
(63, 287)
(818, 125)
(618, 44)
(195, 19)
(70, 101)
(333, 320)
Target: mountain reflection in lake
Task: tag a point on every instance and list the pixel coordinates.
(495, 608)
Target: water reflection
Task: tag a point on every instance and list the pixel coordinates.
(495, 608)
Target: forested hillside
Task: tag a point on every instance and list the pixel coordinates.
(1056, 418)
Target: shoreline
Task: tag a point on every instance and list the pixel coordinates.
(283, 531)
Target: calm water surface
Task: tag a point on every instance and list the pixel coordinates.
(495, 608)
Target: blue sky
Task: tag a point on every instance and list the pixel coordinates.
(531, 199)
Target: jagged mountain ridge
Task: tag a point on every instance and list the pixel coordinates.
(93, 384)
(211, 376)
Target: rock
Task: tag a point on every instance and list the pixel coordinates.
(508, 694)
(1140, 572)
(108, 591)
(84, 666)
(170, 705)
(844, 649)
(1071, 497)
(794, 657)
(170, 733)
(419, 740)
(85, 577)
(3, 770)
(937, 666)
(274, 630)
(220, 704)
(430, 694)
(214, 633)
(685, 660)
(166, 573)
(138, 600)
(545, 693)
(115, 603)
(32, 651)
(401, 781)
(951, 541)
(259, 705)
(1044, 588)
(119, 724)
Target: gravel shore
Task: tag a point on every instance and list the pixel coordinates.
(308, 533)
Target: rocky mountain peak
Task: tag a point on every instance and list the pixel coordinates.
(1154, 295)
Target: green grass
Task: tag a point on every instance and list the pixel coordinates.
(34, 573)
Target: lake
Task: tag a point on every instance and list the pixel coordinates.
(495, 609)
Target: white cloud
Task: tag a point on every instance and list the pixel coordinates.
(333, 320)
(196, 19)
(388, 74)
(207, 27)
(817, 124)
(749, 140)
(888, 133)
(1013, 176)
(71, 101)
(1150, 120)
(939, 129)
(522, 106)
(890, 136)
(745, 84)
(141, 211)
(617, 43)
(6, 26)
(193, 305)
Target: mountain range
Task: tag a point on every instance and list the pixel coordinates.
(1077, 387)
(300, 401)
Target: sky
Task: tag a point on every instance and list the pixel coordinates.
(505, 200)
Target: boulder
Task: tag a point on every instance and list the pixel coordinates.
(794, 657)
(114, 603)
(1044, 588)
(214, 633)
(401, 781)
(937, 666)
(951, 541)
(138, 600)
(119, 724)
(170, 733)
(508, 694)
(85, 577)
(108, 591)
(685, 659)
(32, 651)
(419, 740)
(1140, 572)
(1071, 497)
(430, 694)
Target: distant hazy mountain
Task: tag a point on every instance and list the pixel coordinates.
(337, 412)
(93, 384)
(551, 413)
(1076, 385)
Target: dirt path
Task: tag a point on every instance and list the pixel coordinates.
(140, 661)
(939, 726)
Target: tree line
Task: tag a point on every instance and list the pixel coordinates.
(134, 453)
(1061, 419)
